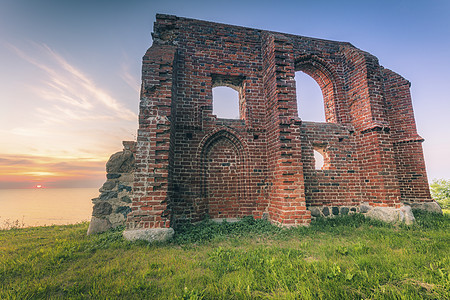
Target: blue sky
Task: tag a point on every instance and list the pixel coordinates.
(70, 72)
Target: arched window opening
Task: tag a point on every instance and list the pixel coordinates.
(225, 102)
(310, 102)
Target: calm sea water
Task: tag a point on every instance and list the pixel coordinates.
(38, 207)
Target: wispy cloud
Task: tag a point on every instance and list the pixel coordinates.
(62, 125)
(61, 110)
(71, 92)
(131, 80)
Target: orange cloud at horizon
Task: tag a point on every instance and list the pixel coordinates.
(27, 171)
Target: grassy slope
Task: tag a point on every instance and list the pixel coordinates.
(342, 258)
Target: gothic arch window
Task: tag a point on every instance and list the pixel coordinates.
(332, 104)
(310, 102)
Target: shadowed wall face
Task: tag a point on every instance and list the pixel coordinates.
(223, 180)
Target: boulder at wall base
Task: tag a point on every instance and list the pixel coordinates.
(149, 234)
(344, 210)
(98, 225)
(392, 215)
(364, 207)
(315, 211)
(432, 207)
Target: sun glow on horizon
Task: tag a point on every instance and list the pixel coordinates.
(37, 172)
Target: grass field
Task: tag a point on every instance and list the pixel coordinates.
(342, 258)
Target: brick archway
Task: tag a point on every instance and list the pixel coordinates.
(223, 175)
(329, 82)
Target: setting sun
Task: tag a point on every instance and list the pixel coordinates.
(39, 186)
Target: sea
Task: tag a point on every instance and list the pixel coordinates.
(45, 206)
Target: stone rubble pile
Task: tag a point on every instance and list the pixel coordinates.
(113, 204)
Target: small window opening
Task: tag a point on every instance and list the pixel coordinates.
(318, 160)
(225, 102)
(310, 103)
(321, 160)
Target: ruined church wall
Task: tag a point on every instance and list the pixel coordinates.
(219, 167)
(191, 164)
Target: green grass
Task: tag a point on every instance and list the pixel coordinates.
(343, 258)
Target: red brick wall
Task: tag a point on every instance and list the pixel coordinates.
(338, 183)
(224, 180)
(191, 164)
(407, 143)
(150, 189)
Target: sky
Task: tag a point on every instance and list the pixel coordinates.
(70, 72)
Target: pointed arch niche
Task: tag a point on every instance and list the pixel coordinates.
(223, 176)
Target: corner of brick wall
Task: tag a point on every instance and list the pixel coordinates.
(150, 203)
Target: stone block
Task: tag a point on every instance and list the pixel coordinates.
(392, 215)
(335, 210)
(123, 187)
(98, 225)
(102, 209)
(126, 199)
(108, 185)
(120, 162)
(344, 210)
(108, 195)
(124, 210)
(315, 211)
(432, 207)
(112, 176)
(149, 234)
(364, 208)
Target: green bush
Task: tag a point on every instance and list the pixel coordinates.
(440, 191)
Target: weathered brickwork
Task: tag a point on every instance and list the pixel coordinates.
(191, 164)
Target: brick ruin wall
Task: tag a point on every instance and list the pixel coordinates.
(191, 164)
